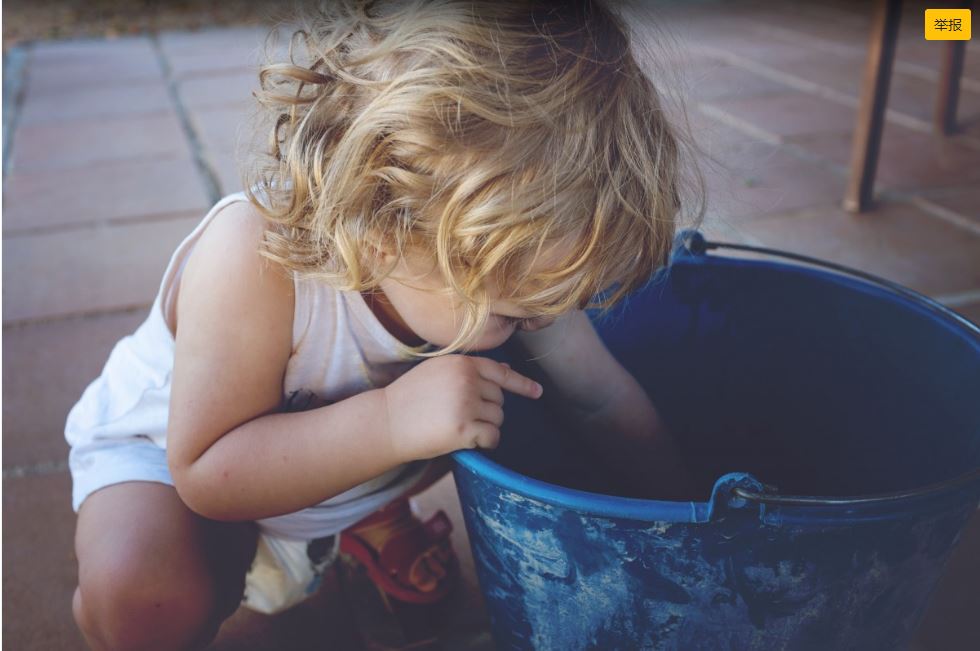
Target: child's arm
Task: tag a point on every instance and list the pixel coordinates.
(232, 457)
(609, 408)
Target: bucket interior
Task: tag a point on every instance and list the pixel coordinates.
(813, 382)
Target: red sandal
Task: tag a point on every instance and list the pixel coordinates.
(406, 542)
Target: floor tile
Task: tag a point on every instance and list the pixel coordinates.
(211, 40)
(46, 368)
(964, 201)
(718, 140)
(90, 270)
(89, 50)
(76, 102)
(56, 66)
(39, 567)
(717, 33)
(213, 50)
(914, 49)
(711, 80)
(222, 128)
(917, 97)
(64, 145)
(233, 89)
(791, 113)
(117, 190)
(754, 180)
(228, 167)
(897, 241)
(908, 159)
(909, 94)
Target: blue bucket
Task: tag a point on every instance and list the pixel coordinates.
(834, 421)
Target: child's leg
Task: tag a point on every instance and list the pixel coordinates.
(151, 573)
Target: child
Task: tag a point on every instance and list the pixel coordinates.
(441, 175)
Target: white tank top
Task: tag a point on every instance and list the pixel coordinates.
(339, 349)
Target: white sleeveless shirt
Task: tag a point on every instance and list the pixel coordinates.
(339, 349)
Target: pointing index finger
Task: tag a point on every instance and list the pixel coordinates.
(509, 379)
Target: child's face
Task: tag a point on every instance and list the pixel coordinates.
(414, 310)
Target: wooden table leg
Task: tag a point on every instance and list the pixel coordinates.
(874, 98)
(947, 97)
(944, 117)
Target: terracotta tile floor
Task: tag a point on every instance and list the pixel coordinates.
(772, 95)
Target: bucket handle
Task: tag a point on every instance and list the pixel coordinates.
(695, 243)
(879, 498)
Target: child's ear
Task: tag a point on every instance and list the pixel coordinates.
(381, 249)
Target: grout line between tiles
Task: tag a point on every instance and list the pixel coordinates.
(118, 310)
(912, 69)
(824, 92)
(946, 214)
(14, 70)
(36, 469)
(208, 175)
(959, 299)
(54, 229)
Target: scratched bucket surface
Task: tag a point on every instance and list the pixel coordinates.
(778, 380)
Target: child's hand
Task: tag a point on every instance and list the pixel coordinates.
(448, 403)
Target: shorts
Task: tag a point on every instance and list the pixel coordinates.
(284, 571)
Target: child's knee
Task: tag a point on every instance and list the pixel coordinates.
(128, 607)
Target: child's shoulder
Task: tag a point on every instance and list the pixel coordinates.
(226, 270)
(234, 236)
(237, 219)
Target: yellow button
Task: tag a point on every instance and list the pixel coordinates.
(947, 24)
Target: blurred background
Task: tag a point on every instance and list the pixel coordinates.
(26, 21)
(121, 123)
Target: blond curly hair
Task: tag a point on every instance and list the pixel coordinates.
(480, 133)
